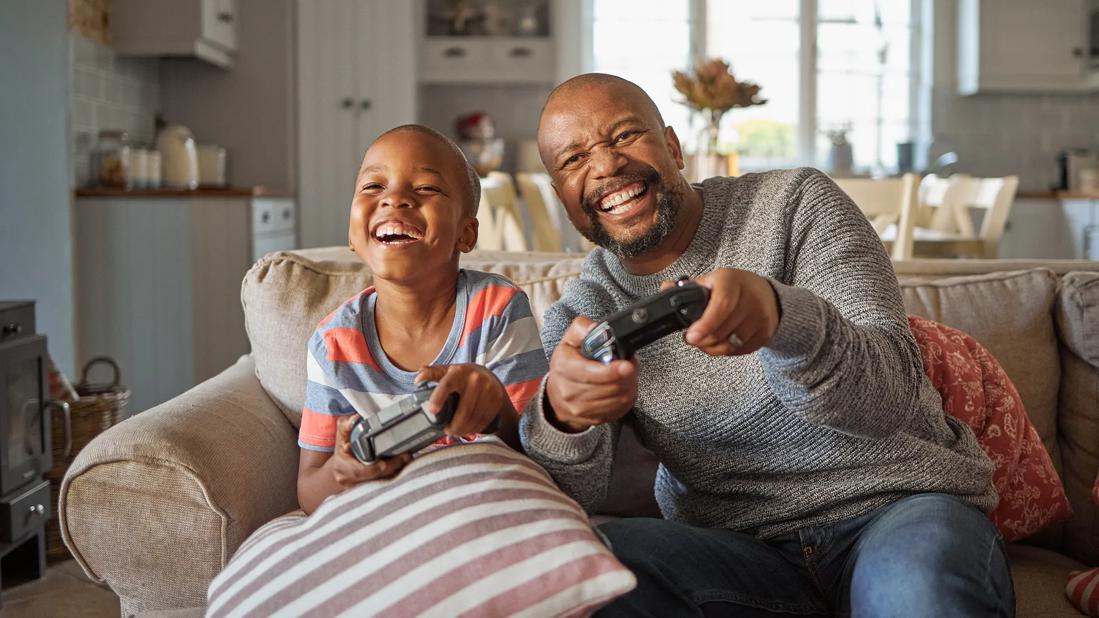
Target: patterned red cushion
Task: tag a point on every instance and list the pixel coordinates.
(976, 391)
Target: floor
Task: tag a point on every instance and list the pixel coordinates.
(64, 591)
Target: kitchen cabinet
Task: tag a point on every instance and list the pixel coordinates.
(158, 280)
(453, 60)
(356, 77)
(204, 29)
(1022, 46)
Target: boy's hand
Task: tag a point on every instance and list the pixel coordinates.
(584, 392)
(349, 471)
(481, 396)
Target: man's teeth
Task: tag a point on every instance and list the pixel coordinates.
(396, 229)
(614, 203)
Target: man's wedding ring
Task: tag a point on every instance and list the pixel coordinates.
(735, 341)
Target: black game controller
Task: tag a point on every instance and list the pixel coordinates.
(625, 332)
(401, 427)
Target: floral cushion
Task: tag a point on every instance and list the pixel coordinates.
(975, 390)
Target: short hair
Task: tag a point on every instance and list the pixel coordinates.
(471, 174)
(607, 81)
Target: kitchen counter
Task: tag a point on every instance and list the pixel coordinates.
(1058, 195)
(257, 191)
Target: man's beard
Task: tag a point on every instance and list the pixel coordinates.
(668, 201)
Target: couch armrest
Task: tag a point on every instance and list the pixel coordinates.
(157, 504)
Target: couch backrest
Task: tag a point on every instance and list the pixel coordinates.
(1043, 328)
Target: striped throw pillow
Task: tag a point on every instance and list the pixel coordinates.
(1083, 586)
(473, 529)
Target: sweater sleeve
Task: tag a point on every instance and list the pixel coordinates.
(842, 355)
(580, 463)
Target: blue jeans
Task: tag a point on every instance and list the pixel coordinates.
(925, 555)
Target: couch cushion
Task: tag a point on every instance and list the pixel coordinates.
(975, 389)
(473, 529)
(1011, 314)
(286, 294)
(1039, 576)
(1078, 319)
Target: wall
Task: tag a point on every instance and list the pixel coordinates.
(36, 259)
(249, 109)
(1001, 134)
(109, 92)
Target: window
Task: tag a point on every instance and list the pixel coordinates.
(826, 67)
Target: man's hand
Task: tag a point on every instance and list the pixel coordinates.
(481, 396)
(584, 392)
(349, 471)
(741, 303)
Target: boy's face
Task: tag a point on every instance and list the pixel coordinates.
(410, 212)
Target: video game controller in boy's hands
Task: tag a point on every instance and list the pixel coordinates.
(625, 332)
(401, 427)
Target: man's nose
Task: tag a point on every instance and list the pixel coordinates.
(606, 162)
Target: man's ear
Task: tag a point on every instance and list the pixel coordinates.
(672, 141)
(467, 237)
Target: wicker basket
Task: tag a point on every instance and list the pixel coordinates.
(99, 407)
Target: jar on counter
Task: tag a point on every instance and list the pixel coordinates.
(111, 159)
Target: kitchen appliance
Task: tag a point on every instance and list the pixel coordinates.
(1071, 162)
(179, 158)
(211, 165)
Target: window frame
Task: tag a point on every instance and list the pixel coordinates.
(918, 84)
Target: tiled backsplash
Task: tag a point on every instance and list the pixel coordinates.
(1001, 134)
(109, 92)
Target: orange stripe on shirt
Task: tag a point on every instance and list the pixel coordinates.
(487, 303)
(347, 345)
(328, 318)
(317, 429)
(521, 393)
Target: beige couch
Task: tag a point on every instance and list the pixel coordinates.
(156, 506)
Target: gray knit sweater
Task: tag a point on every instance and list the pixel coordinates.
(833, 418)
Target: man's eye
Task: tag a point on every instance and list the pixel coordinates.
(573, 160)
(626, 136)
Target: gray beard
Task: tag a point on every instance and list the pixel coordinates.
(667, 211)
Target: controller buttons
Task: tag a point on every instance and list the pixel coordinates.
(639, 315)
(682, 280)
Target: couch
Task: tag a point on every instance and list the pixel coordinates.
(155, 506)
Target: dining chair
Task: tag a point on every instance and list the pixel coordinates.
(545, 233)
(951, 233)
(570, 238)
(499, 225)
(890, 204)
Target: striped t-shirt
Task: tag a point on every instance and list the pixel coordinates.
(349, 373)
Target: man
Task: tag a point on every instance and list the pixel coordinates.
(807, 466)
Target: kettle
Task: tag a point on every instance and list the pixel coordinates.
(179, 159)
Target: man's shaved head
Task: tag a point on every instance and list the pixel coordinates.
(473, 180)
(581, 87)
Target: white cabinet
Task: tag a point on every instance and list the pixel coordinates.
(158, 288)
(487, 60)
(205, 29)
(356, 79)
(1022, 46)
(272, 225)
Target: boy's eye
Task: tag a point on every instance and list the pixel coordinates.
(371, 186)
(428, 189)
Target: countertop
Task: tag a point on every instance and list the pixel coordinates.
(257, 191)
(1058, 195)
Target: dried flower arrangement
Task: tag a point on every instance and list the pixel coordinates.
(711, 89)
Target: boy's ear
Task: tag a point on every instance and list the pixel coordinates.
(467, 237)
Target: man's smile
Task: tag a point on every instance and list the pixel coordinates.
(623, 200)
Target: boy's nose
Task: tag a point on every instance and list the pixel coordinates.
(397, 200)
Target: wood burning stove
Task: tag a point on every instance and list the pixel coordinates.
(25, 450)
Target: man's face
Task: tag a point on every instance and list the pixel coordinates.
(615, 168)
(410, 212)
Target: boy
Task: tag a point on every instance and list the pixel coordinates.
(413, 213)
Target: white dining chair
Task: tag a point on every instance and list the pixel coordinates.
(890, 204)
(950, 232)
(545, 232)
(498, 215)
